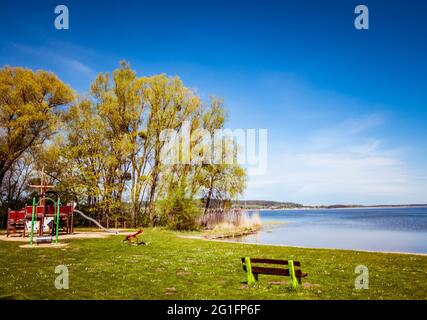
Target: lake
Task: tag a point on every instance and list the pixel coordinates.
(376, 229)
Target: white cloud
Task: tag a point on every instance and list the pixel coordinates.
(334, 166)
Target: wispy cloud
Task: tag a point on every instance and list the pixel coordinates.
(77, 66)
(53, 56)
(352, 126)
(351, 129)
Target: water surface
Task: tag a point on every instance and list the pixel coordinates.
(377, 229)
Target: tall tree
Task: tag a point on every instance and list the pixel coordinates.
(82, 156)
(29, 103)
(223, 181)
(14, 188)
(171, 104)
(120, 104)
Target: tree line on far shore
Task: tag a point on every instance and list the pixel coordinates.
(103, 150)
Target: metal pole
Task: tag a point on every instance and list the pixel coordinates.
(32, 221)
(57, 217)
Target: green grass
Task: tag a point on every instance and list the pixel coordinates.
(172, 267)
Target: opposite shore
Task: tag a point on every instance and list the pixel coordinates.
(335, 208)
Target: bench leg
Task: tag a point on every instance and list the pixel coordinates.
(294, 281)
(249, 275)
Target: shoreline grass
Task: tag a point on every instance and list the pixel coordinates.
(173, 267)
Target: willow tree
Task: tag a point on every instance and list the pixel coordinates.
(170, 105)
(29, 104)
(83, 157)
(221, 179)
(213, 170)
(120, 104)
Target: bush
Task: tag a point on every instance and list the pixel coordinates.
(178, 212)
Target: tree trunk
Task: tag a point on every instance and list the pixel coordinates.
(151, 208)
(208, 199)
(2, 174)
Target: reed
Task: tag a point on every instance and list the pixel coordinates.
(228, 219)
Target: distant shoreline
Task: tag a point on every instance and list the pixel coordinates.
(337, 208)
(347, 208)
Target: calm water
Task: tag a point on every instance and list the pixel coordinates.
(378, 229)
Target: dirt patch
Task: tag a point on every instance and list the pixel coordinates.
(170, 291)
(310, 285)
(284, 282)
(76, 235)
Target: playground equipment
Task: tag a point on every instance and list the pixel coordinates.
(133, 238)
(48, 216)
(94, 221)
(43, 217)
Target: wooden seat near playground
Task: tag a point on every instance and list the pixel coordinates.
(16, 222)
(256, 266)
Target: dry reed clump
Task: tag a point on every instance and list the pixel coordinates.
(231, 219)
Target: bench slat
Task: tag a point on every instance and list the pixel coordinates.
(276, 271)
(272, 261)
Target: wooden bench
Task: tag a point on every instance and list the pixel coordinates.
(255, 266)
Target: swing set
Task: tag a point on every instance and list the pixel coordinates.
(34, 211)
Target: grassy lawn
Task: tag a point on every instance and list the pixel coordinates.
(172, 267)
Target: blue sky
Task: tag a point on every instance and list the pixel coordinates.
(345, 110)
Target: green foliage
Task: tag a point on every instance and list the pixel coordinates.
(29, 108)
(107, 154)
(178, 211)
